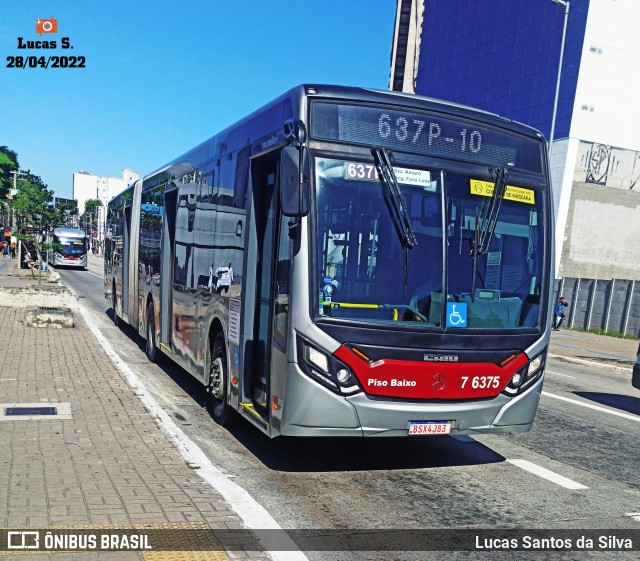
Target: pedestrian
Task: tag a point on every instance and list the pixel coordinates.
(561, 304)
(13, 250)
(225, 278)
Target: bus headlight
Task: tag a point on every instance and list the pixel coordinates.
(516, 380)
(534, 366)
(526, 376)
(315, 357)
(343, 376)
(326, 369)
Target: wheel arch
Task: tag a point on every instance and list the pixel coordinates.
(222, 409)
(215, 327)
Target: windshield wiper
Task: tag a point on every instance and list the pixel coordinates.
(393, 198)
(395, 205)
(492, 212)
(488, 215)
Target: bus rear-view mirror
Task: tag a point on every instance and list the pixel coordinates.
(294, 181)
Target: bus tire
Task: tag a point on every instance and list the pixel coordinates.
(150, 349)
(219, 382)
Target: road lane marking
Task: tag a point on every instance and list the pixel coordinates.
(547, 474)
(634, 515)
(596, 407)
(558, 374)
(252, 513)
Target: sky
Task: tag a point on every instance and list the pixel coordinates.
(162, 76)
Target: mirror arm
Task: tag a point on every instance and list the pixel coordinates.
(295, 132)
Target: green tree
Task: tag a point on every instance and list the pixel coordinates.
(8, 163)
(90, 215)
(91, 204)
(65, 209)
(33, 204)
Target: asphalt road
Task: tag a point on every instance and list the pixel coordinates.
(586, 436)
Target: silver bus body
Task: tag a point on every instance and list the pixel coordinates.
(319, 334)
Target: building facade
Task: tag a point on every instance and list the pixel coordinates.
(504, 57)
(88, 186)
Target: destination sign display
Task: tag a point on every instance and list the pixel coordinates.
(425, 133)
(404, 176)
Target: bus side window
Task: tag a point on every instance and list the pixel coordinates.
(206, 188)
(181, 263)
(242, 178)
(225, 191)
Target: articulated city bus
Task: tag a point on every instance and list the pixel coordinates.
(70, 249)
(391, 258)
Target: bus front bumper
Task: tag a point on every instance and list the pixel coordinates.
(64, 262)
(313, 410)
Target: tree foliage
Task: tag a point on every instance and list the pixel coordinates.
(90, 205)
(32, 207)
(8, 163)
(33, 204)
(65, 210)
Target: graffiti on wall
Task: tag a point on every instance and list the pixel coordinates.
(598, 164)
(609, 166)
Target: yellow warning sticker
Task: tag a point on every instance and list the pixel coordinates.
(518, 194)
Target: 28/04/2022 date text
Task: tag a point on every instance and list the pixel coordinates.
(46, 62)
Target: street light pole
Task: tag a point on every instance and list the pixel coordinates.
(565, 5)
(15, 174)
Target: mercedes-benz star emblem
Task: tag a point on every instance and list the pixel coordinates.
(439, 381)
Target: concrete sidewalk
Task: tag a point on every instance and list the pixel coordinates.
(102, 462)
(611, 352)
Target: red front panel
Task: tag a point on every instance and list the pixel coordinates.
(430, 380)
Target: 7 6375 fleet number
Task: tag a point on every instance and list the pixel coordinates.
(480, 382)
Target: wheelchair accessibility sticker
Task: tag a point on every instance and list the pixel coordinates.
(456, 314)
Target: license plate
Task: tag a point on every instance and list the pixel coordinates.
(428, 428)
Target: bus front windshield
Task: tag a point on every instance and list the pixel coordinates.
(72, 247)
(365, 273)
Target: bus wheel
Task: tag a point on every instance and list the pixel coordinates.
(150, 348)
(114, 305)
(219, 382)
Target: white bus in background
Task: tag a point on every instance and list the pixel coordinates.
(70, 249)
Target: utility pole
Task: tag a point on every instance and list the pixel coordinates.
(12, 224)
(13, 193)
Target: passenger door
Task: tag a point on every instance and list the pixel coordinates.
(166, 276)
(266, 351)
